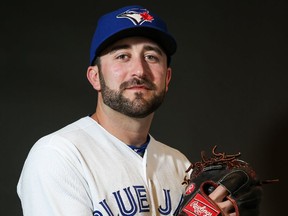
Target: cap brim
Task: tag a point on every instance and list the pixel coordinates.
(165, 41)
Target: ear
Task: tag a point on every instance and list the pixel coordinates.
(168, 77)
(93, 77)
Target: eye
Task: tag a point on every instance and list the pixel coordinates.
(122, 56)
(151, 58)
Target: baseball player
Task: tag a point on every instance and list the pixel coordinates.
(108, 163)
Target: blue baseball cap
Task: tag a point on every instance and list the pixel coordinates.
(131, 21)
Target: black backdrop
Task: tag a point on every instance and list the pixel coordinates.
(229, 86)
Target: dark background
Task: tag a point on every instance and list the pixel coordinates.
(229, 86)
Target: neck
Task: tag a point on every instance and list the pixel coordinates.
(132, 131)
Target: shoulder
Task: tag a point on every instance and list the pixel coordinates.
(168, 152)
(59, 145)
(65, 137)
(165, 147)
(55, 153)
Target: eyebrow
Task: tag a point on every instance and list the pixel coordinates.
(114, 48)
(153, 48)
(127, 46)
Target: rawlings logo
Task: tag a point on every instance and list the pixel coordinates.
(200, 210)
(190, 189)
(201, 207)
(137, 16)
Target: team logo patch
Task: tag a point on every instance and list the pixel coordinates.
(190, 189)
(137, 16)
(201, 207)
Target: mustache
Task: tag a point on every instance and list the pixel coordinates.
(136, 81)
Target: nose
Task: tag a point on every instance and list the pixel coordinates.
(140, 67)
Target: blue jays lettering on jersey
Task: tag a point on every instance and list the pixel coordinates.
(136, 204)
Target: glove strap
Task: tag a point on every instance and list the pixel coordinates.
(234, 205)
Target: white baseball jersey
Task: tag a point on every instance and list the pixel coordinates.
(82, 170)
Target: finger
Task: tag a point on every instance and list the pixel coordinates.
(219, 194)
(227, 207)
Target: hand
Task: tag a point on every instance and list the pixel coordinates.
(219, 196)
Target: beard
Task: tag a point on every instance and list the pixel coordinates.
(137, 107)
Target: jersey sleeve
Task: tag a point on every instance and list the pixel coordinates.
(51, 184)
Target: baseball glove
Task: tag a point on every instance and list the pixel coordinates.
(237, 176)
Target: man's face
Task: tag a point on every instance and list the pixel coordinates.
(134, 76)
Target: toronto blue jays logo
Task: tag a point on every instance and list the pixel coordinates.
(137, 16)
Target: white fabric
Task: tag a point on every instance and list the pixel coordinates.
(82, 170)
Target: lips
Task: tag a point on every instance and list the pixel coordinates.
(138, 87)
(138, 84)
